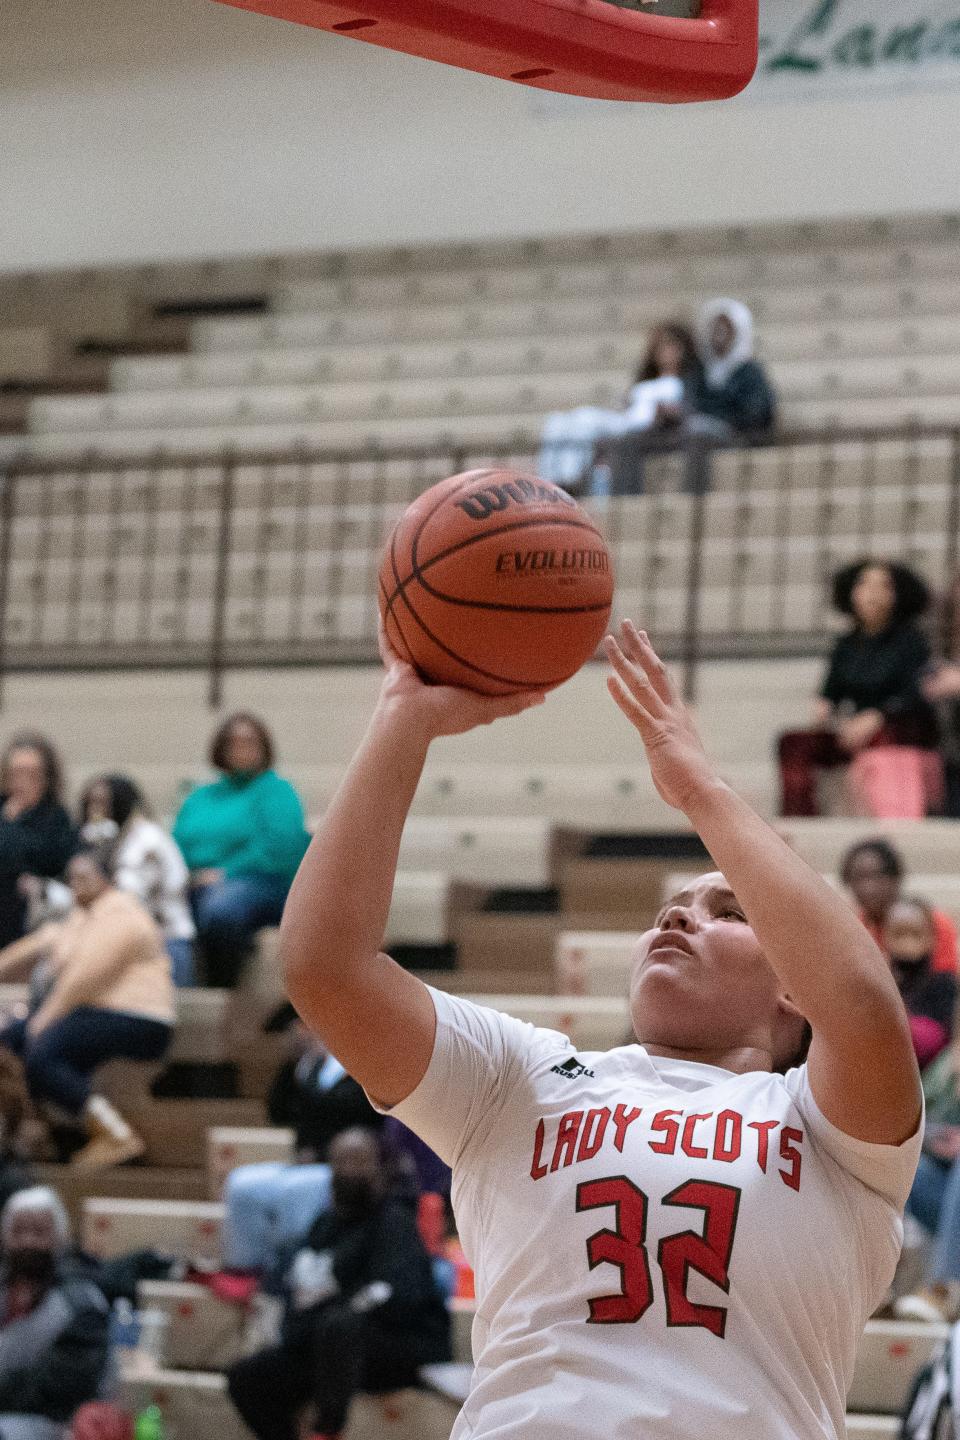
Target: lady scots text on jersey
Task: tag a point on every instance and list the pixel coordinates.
(722, 1135)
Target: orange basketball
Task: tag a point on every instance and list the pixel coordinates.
(496, 581)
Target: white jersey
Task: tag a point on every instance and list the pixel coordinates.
(663, 1250)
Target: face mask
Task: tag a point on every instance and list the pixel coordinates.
(352, 1196)
(30, 1263)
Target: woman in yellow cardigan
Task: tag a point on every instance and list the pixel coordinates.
(108, 994)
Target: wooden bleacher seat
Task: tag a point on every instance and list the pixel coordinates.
(229, 1146)
(872, 1427)
(928, 846)
(594, 962)
(188, 1229)
(203, 1332)
(511, 851)
(591, 1022)
(194, 1403)
(888, 1357)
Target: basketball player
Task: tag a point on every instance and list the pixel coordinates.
(675, 1240)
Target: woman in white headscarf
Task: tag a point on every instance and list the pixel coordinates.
(733, 395)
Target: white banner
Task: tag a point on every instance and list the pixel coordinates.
(844, 46)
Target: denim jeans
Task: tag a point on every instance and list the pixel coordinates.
(181, 967)
(935, 1202)
(269, 1208)
(60, 1060)
(228, 916)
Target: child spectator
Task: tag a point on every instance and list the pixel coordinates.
(929, 995)
(144, 861)
(243, 837)
(871, 698)
(54, 1348)
(363, 1310)
(36, 836)
(107, 995)
(873, 871)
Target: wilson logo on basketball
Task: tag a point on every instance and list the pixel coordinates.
(491, 498)
(526, 562)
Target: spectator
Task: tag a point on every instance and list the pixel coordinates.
(108, 996)
(662, 382)
(14, 1110)
(144, 861)
(943, 688)
(363, 1311)
(873, 871)
(54, 1348)
(271, 1204)
(731, 395)
(36, 836)
(312, 1093)
(935, 1198)
(871, 700)
(929, 995)
(243, 838)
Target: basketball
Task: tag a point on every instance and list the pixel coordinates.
(496, 581)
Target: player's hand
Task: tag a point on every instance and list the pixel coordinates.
(444, 709)
(644, 691)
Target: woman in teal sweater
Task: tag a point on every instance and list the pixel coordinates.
(243, 838)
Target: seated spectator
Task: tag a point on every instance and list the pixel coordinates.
(942, 688)
(54, 1349)
(106, 994)
(726, 395)
(935, 1197)
(270, 1204)
(36, 836)
(14, 1112)
(363, 1311)
(661, 385)
(873, 871)
(871, 704)
(929, 995)
(144, 861)
(243, 837)
(312, 1094)
(731, 395)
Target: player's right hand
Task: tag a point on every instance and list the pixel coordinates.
(444, 709)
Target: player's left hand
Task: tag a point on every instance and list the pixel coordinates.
(645, 693)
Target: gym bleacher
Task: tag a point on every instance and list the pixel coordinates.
(217, 507)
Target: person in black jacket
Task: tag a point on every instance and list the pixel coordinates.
(872, 693)
(311, 1092)
(363, 1311)
(54, 1346)
(37, 837)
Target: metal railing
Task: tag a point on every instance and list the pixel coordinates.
(218, 561)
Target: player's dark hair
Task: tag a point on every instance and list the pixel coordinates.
(890, 859)
(911, 597)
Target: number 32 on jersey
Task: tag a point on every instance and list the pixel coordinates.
(706, 1252)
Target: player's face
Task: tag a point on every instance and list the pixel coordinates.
(700, 980)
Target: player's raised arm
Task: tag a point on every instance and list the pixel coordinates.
(861, 1064)
(375, 1017)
